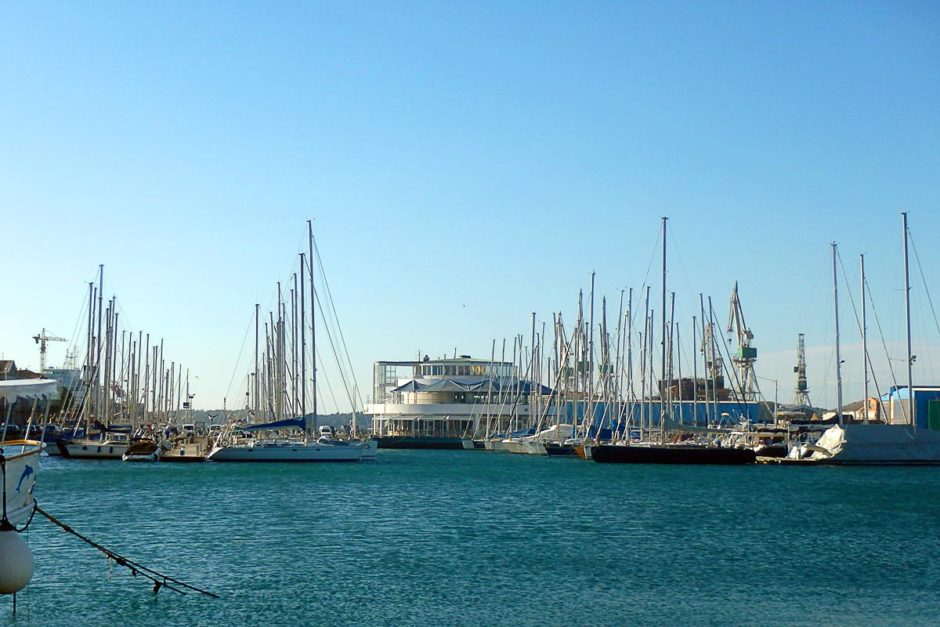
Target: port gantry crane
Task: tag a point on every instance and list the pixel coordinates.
(41, 339)
(802, 388)
(746, 354)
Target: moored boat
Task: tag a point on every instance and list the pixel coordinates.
(560, 449)
(242, 449)
(143, 450)
(683, 453)
(109, 446)
(20, 456)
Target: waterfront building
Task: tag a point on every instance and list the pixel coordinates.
(926, 406)
(437, 403)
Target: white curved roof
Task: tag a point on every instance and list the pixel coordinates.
(27, 388)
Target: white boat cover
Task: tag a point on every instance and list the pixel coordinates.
(27, 388)
(878, 444)
(555, 433)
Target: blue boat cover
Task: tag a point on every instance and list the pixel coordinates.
(288, 423)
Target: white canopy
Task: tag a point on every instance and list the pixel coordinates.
(27, 388)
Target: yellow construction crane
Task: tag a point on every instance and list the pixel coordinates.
(41, 339)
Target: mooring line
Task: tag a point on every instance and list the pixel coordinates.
(159, 579)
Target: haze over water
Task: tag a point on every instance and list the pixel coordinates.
(469, 537)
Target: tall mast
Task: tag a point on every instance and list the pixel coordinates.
(313, 326)
(618, 366)
(98, 397)
(146, 390)
(861, 259)
(257, 403)
(590, 380)
(645, 390)
(701, 304)
(293, 347)
(694, 373)
(650, 337)
(533, 399)
(303, 341)
(835, 295)
(163, 383)
(277, 332)
(907, 315)
(715, 361)
(669, 372)
(578, 363)
(630, 394)
(662, 365)
(86, 400)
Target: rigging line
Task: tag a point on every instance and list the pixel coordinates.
(251, 320)
(329, 386)
(858, 322)
(124, 317)
(73, 342)
(923, 279)
(339, 364)
(848, 290)
(159, 579)
(884, 344)
(874, 378)
(339, 329)
(649, 266)
(676, 250)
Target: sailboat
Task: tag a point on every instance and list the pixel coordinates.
(108, 443)
(878, 443)
(238, 443)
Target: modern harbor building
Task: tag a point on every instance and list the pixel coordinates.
(438, 403)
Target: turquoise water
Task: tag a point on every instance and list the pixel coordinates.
(480, 538)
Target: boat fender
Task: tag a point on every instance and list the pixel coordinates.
(16, 560)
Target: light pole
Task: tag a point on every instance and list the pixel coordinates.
(776, 387)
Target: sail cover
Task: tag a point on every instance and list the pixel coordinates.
(288, 423)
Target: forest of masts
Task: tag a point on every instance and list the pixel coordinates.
(125, 380)
(611, 378)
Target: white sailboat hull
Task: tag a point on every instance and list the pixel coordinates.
(87, 449)
(288, 452)
(535, 447)
(370, 448)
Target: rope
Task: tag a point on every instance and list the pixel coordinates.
(923, 279)
(159, 579)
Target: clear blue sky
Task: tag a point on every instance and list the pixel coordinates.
(466, 164)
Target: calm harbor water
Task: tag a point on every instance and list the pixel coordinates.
(479, 538)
